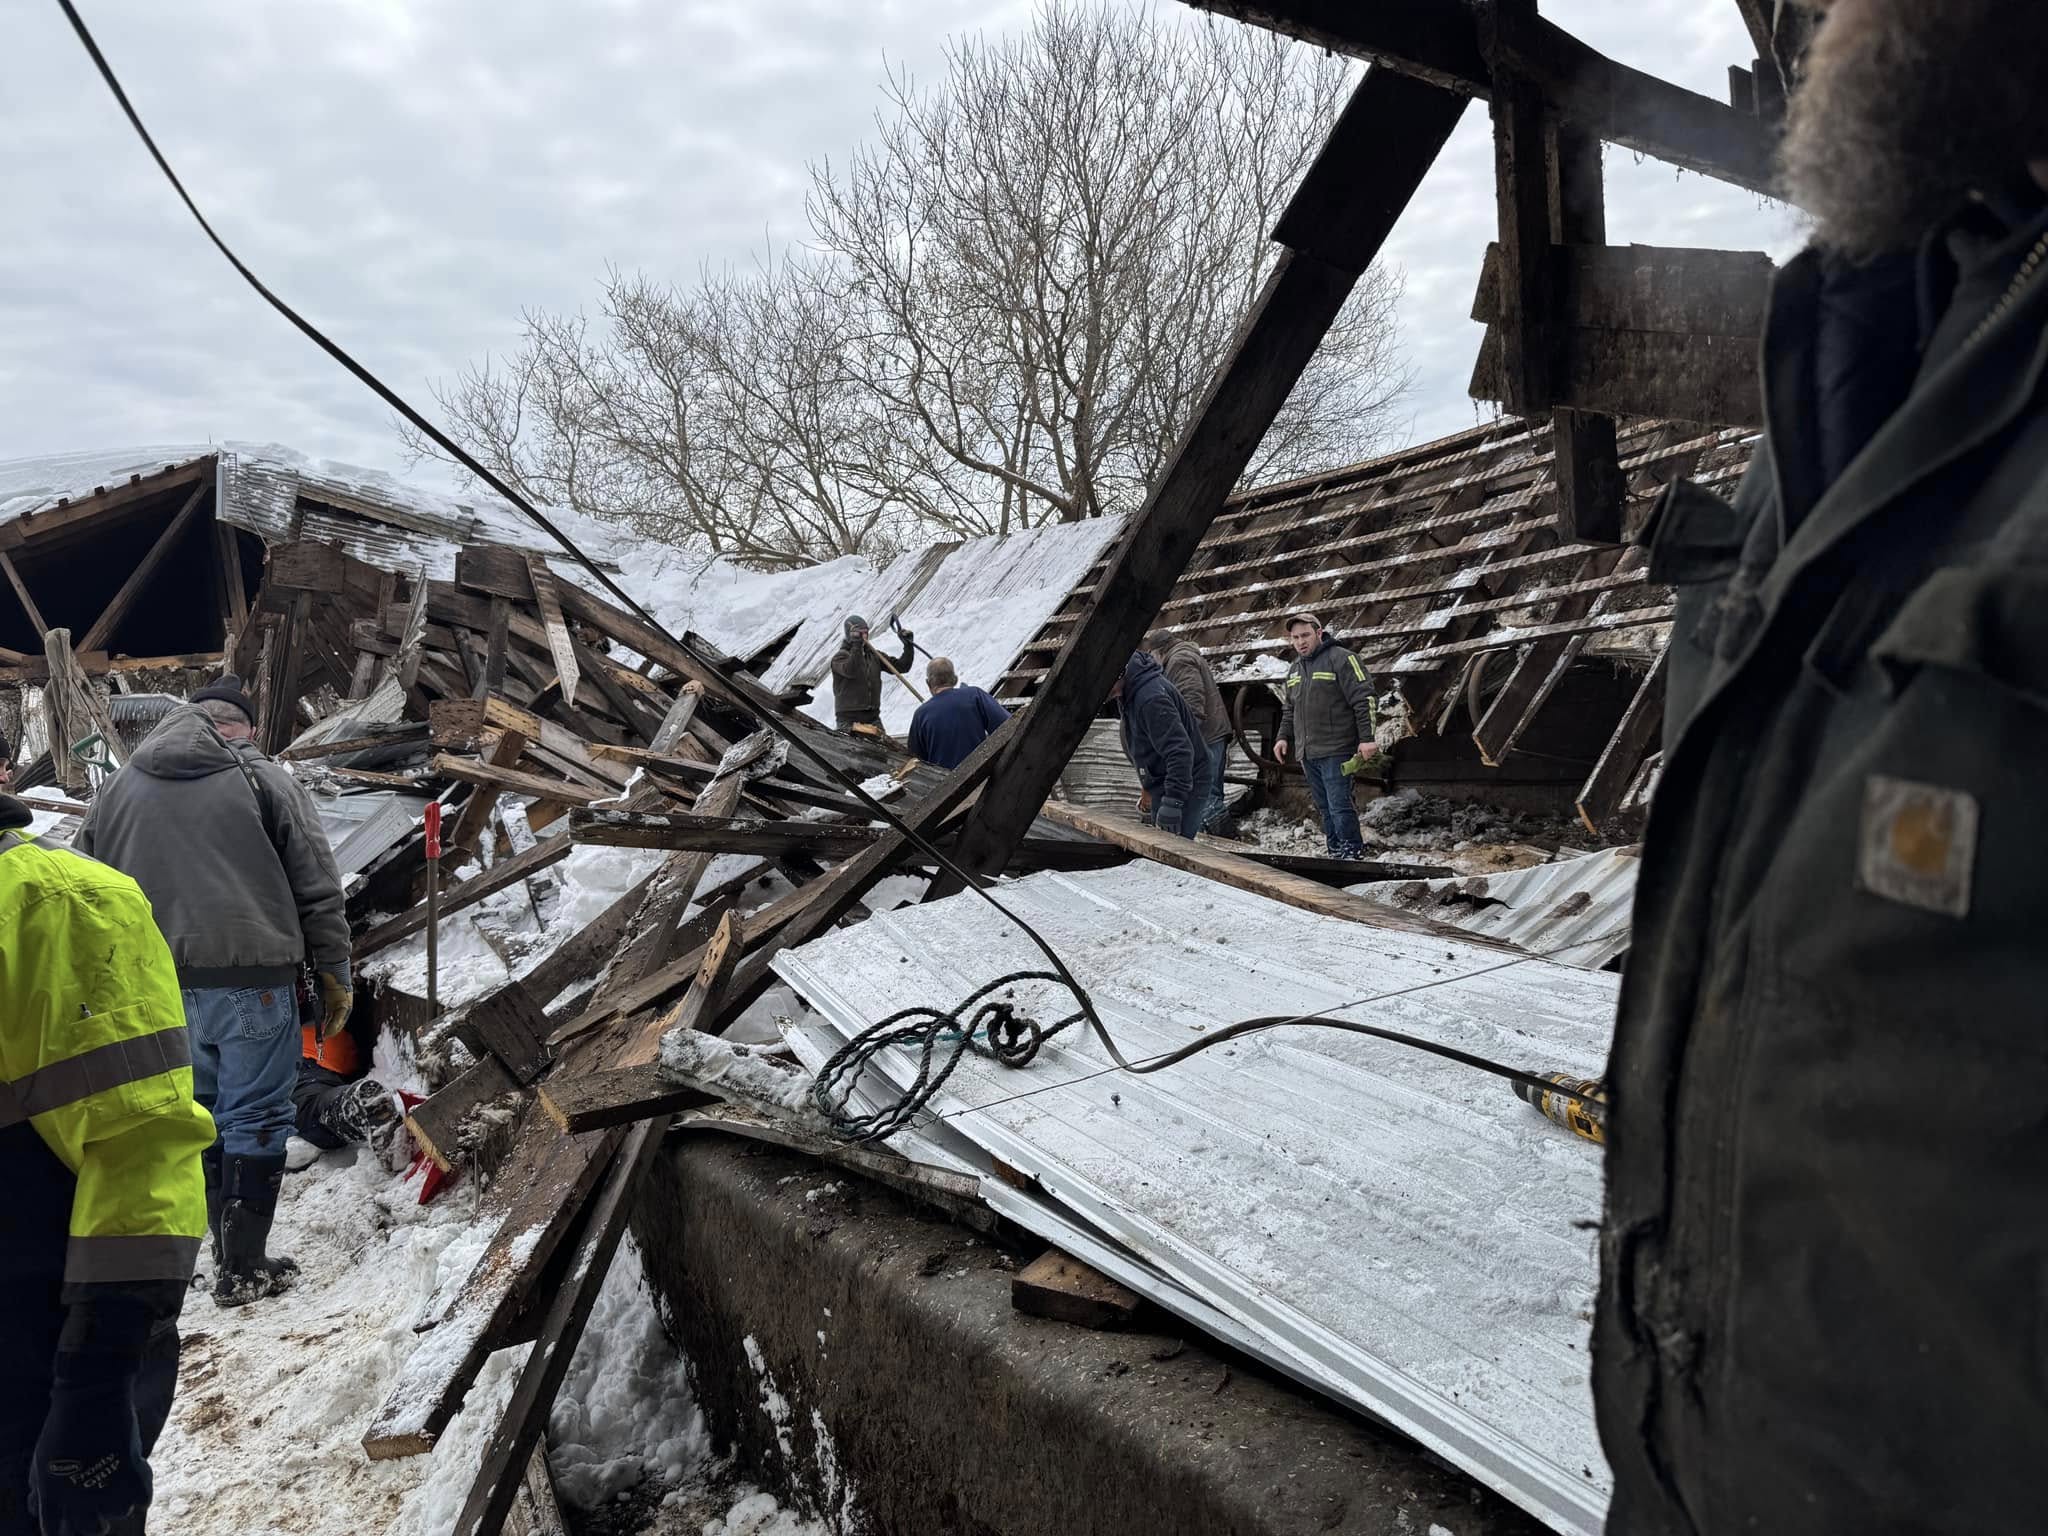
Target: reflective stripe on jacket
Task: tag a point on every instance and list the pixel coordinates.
(94, 1055)
(1326, 703)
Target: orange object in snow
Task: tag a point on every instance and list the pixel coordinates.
(340, 1053)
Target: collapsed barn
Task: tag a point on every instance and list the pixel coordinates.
(670, 902)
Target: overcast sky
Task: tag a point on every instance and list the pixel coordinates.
(413, 173)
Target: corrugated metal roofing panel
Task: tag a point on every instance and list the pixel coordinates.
(360, 827)
(1100, 774)
(1575, 911)
(32, 484)
(1399, 1225)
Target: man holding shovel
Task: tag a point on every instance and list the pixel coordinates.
(857, 676)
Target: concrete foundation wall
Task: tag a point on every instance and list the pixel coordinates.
(862, 1359)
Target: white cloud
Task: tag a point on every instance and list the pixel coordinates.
(412, 177)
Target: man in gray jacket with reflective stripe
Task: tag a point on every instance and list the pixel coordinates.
(228, 848)
(1326, 715)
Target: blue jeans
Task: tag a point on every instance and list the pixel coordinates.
(1213, 811)
(245, 1058)
(1331, 791)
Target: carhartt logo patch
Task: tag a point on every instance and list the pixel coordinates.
(1919, 844)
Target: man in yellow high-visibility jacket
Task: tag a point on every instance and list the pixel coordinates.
(100, 1185)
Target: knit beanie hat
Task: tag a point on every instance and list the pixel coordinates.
(855, 623)
(228, 688)
(1303, 617)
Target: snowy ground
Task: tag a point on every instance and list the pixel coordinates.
(273, 1399)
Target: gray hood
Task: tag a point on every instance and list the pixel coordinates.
(185, 745)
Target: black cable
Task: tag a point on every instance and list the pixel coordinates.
(1014, 1039)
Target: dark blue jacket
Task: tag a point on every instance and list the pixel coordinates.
(949, 726)
(1162, 738)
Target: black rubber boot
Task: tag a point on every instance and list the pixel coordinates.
(209, 1164)
(247, 1272)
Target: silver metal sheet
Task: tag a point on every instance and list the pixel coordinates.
(1575, 911)
(1397, 1227)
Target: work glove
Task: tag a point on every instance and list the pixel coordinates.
(1171, 814)
(89, 1470)
(337, 1001)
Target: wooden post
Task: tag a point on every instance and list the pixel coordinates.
(1382, 146)
(433, 908)
(1592, 492)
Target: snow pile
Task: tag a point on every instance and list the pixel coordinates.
(506, 935)
(757, 1514)
(625, 1413)
(265, 1435)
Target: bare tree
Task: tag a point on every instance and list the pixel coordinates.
(1014, 300)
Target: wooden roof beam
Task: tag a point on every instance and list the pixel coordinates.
(1439, 41)
(1382, 146)
(117, 609)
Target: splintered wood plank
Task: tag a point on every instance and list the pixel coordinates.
(619, 1096)
(510, 1026)
(439, 1123)
(714, 975)
(473, 771)
(468, 833)
(499, 1479)
(658, 987)
(1060, 1287)
(534, 1206)
(1212, 862)
(547, 595)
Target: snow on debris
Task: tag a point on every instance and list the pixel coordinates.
(273, 1399)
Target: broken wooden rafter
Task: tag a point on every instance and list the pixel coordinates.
(469, 770)
(1377, 155)
(1213, 861)
(1439, 41)
(501, 875)
(535, 1203)
(124, 599)
(1632, 741)
(593, 1101)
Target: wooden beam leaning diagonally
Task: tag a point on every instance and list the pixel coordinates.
(118, 606)
(28, 603)
(547, 595)
(1631, 742)
(836, 893)
(1380, 149)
